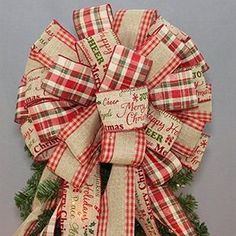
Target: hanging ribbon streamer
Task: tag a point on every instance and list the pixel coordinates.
(129, 91)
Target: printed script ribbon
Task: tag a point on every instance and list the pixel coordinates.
(130, 92)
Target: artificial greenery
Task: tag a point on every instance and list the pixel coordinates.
(48, 190)
(181, 179)
(24, 198)
(43, 220)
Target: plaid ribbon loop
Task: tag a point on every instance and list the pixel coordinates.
(70, 81)
(130, 92)
(92, 20)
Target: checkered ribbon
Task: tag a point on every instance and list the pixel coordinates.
(70, 81)
(126, 69)
(164, 201)
(61, 106)
(132, 26)
(92, 20)
(176, 92)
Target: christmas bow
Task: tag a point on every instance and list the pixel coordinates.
(129, 92)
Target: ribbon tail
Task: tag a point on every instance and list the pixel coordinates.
(169, 212)
(143, 208)
(118, 201)
(80, 208)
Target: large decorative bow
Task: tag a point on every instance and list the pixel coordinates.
(129, 92)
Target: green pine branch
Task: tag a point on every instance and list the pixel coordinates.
(25, 197)
(181, 179)
(48, 190)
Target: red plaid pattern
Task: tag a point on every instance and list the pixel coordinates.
(66, 37)
(176, 92)
(194, 57)
(118, 20)
(145, 19)
(127, 173)
(21, 112)
(182, 36)
(158, 169)
(186, 50)
(178, 147)
(103, 216)
(56, 156)
(140, 147)
(92, 20)
(153, 43)
(148, 19)
(41, 57)
(83, 172)
(76, 127)
(168, 210)
(168, 69)
(170, 40)
(130, 201)
(192, 122)
(108, 146)
(84, 157)
(70, 81)
(126, 69)
(49, 117)
(201, 113)
(203, 116)
(149, 45)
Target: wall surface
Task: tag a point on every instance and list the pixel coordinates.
(211, 23)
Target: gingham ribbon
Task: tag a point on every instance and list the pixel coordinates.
(92, 20)
(164, 201)
(133, 34)
(167, 62)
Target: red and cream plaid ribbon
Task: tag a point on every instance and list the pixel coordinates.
(130, 92)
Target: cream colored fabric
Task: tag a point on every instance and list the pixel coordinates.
(97, 50)
(123, 109)
(127, 39)
(84, 136)
(188, 136)
(56, 47)
(67, 166)
(195, 159)
(116, 201)
(46, 36)
(81, 207)
(162, 130)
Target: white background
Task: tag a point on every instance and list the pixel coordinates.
(211, 23)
